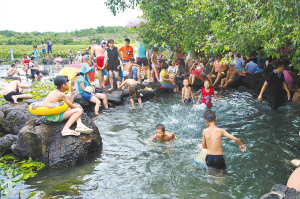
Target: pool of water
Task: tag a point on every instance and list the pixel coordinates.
(132, 167)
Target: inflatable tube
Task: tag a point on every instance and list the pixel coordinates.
(39, 108)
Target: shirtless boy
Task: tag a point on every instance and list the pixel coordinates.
(162, 134)
(128, 67)
(98, 51)
(11, 71)
(13, 91)
(212, 141)
(134, 90)
(35, 69)
(231, 75)
(154, 63)
(187, 94)
(73, 113)
(86, 59)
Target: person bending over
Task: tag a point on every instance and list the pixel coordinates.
(13, 91)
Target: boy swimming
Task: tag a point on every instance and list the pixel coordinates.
(187, 94)
(212, 141)
(162, 134)
(73, 114)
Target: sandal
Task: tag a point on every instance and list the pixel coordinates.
(84, 129)
(69, 132)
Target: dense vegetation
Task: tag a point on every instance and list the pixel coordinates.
(77, 37)
(242, 26)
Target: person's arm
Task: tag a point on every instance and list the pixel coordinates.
(105, 59)
(287, 90)
(217, 98)
(137, 65)
(67, 101)
(136, 40)
(147, 54)
(120, 56)
(154, 137)
(82, 86)
(173, 136)
(166, 79)
(121, 65)
(208, 62)
(262, 91)
(213, 69)
(123, 83)
(182, 96)
(226, 134)
(199, 98)
(204, 146)
(23, 86)
(152, 57)
(93, 51)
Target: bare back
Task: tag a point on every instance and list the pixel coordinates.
(232, 74)
(212, 137)
(54, 96)
(98, 50)
(128, 67)
(12, 86)
(154, 58)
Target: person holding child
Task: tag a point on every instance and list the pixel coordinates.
(87, 91)
(73, 114)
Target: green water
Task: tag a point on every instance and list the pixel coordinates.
(131, 167)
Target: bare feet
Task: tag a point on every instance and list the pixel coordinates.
(110, 89)
(15, 99)
(96, 113)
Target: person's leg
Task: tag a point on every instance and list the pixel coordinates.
(132, 102)
(139, 74)
(140, 102)
(21, 96)
(293, 181)
(100, 78)
(156, 73)
(217, 79)
(118, 78)
(74, 116)
(147, 68)
(193, 79)
(227, 82)
(210, 77)
(296, 97)
(223, 81)
(95, 100)
(111, 80)
(104, 98)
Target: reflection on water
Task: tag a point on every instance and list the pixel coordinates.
(132, 167)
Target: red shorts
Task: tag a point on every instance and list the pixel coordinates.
(196, 72)
(99, 62)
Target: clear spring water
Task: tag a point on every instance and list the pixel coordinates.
(130, 167)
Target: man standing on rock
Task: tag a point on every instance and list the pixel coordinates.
(98, 51)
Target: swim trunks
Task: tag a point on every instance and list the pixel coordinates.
(35, 72)
(55, 118)
(99, 62)
(134, 89)
(215, 161)
(187, 101)
(154, 65)
(126, 74)
(8, 97)
(196, 72)
(141, 61)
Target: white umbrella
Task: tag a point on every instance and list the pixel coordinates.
(135, 22)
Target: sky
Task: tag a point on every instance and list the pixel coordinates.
(59, 15)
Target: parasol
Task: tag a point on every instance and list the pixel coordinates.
(70, 70)
(135, 22)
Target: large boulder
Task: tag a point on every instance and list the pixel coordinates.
(44, 142)
(288, 193)
(6, 108)
(254, 81)
(2, 119)
(6, 141)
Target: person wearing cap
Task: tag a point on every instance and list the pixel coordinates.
(87, 91)
(78, 57)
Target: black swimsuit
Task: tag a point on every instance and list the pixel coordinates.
(215, 161)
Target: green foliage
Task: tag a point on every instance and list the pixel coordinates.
(15, 171)
(40, 89)
(241, 26)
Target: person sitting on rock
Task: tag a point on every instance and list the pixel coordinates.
(195, 71)
(87, 91)
(134, 90)
(13, 91)
(232, 74)
(11, 71)
(35, 69)
(73, 114)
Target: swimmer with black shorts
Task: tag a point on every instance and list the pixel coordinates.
(134, 90)
(212, 141)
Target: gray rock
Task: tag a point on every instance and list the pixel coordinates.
(45, 143)
(7, 141)
(289, 193)
(16, 119)
(2, 119)
(6, 108)
(30, 101)
(83, 102)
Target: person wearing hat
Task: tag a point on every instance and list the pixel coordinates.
(78, 57)
(87, 91)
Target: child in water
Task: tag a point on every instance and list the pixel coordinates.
(187, 94)
(162, 134)
(206, 93)
(212, 141)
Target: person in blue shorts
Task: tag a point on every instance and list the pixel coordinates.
(36, 53)
(49, 47)
(43, 49)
